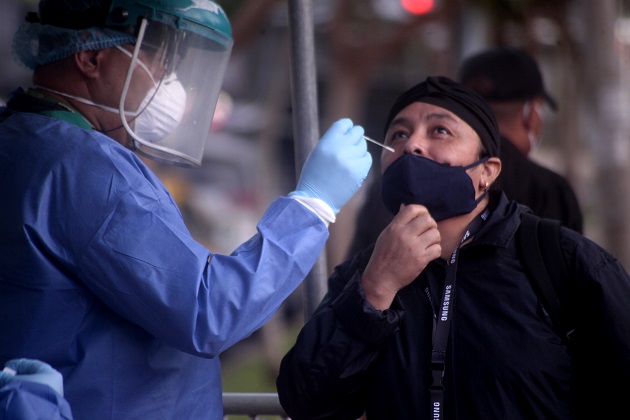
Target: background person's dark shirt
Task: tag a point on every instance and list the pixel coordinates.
(547, 193)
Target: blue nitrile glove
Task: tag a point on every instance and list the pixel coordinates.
(31, 370)
(337, 166)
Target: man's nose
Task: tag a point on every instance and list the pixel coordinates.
(417, 145)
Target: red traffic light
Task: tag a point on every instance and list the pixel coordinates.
(417, 7)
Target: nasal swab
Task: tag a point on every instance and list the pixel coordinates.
(391, 149)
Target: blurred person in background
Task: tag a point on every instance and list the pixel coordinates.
(439, 318)
(511, 81)
(99, 275)
(11, 14)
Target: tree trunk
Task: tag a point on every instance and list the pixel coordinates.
(606, 102)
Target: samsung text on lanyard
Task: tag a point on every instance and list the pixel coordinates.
(442, 324)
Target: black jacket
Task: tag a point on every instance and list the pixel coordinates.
(504, 360)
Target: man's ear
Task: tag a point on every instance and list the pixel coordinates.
(89, 62)
(491, 170)
(532, 113)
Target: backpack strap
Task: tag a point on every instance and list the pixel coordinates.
(539, 242)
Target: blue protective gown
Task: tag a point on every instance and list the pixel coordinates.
(100, 278)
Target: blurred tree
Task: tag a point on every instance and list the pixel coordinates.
(607, 103)
(360, 43)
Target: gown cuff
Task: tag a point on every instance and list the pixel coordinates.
(317, 206)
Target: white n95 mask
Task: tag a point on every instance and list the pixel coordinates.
(161, 110)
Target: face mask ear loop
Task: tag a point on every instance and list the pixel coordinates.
(481, 197)
(123, 95)
(156, 85)
(479, 162)
(140, 63)
(472, 165)
(527, 110)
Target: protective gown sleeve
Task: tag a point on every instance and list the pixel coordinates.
(145, 266)
(97, 218)
(322, 376)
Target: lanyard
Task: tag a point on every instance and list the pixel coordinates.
(442, 321)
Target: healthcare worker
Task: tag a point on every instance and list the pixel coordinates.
(99, 275)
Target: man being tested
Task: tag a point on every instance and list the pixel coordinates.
(438, 319)
(99, 276)
(511, 82)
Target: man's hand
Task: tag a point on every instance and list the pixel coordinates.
(402, 251)
(337, 166)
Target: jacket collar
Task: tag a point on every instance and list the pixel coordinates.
(504, 220)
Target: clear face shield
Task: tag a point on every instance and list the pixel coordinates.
(172, 88)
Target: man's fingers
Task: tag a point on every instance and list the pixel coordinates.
(414, 217)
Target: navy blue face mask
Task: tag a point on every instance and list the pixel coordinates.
(446, 191)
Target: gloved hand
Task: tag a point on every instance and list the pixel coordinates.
(337, 166)
(31, 370)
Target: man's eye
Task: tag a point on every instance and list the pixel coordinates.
(397, 135)
(441, 130)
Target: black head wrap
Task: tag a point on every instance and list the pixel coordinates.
(457, 98)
